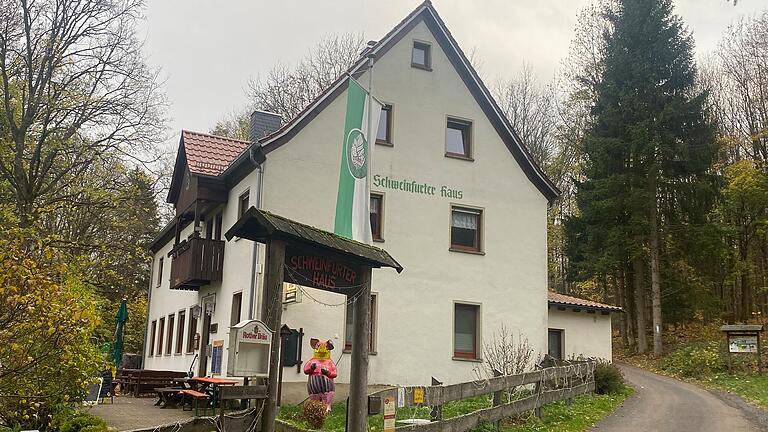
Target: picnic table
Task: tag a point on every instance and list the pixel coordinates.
(210, 385)
(197, 388)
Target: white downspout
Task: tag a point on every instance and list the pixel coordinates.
(254, 289)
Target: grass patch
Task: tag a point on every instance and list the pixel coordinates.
(751, 387)
(584, 413)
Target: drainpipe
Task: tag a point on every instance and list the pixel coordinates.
(146, 320)
(254, 289)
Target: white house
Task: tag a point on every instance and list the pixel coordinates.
(455, 198)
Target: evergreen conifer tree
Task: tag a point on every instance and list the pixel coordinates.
(648, 152)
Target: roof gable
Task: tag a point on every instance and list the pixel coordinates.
(427, 14)
(210, 154)
(203, 154)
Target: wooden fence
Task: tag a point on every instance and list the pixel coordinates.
(549, 385)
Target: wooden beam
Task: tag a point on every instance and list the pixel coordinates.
(271, 315)
(357, 409)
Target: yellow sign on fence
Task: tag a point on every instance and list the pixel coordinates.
(418, 396)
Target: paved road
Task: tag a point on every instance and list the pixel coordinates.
(662, 404)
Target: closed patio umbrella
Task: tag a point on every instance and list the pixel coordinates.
(120, 319)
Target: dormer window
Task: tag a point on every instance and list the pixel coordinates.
(421, 55)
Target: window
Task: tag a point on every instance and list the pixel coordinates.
(152, 334)
(160, 335)
(191, 332)
(159, 272)
(458, 139)
(421, 56)
(180, 332)
(465, 331)
(237, 303)
(242, 203)
(555, 342)
(384, 134)
(216, 356)
(466, 229)
(377, 216)
(169, 342)
(349, 326)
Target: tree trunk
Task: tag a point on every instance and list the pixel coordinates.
(621, 300)
(631, 318)
(746, 294)
(655, 279)
(638, 279)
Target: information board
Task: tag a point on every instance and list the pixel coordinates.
(250, 342)
(742, 344)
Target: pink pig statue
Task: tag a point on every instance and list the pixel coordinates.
(321, 370)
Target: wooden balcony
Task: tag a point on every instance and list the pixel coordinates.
(196, 262)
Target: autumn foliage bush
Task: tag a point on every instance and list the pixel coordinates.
(83, 422)
(694, 360)
(47, 318)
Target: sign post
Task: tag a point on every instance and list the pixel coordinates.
(743, 339)
(390, 414)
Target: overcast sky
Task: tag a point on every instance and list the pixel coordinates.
(207, 50)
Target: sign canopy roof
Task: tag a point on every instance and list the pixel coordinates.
(262, 226)
(742, 328)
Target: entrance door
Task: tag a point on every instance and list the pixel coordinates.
(555, 344)
(205, 337)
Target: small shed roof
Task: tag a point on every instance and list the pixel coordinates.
(742, 328)
(558, 299)
(261, 226)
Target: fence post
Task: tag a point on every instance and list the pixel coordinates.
(538, 389)
(497, 398)
(569, 380)
(436, 413)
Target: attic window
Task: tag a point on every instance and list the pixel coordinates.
(421, 55)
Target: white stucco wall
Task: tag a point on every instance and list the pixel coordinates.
(415, 309)
(164, 302)
(415, 312)
(584, 334)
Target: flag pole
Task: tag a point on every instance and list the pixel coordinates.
(371, 135)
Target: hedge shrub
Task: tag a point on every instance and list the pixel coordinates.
(608, 378)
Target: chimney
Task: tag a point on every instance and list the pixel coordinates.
(368, 47)
(264, 123)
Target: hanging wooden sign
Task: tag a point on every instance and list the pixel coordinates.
(319, 270)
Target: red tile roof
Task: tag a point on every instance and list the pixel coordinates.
(210, 154)
(564, 300)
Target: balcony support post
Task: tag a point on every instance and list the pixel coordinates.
(196, 231)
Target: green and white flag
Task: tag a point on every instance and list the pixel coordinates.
(353, 201)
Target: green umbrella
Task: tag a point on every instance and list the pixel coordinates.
(120, 319)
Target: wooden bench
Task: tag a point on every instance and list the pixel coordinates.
(123, 379)
(196, 396)
(144, 381)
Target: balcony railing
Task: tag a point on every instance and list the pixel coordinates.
(196, 262)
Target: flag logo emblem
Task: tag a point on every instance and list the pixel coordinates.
(357, 153)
